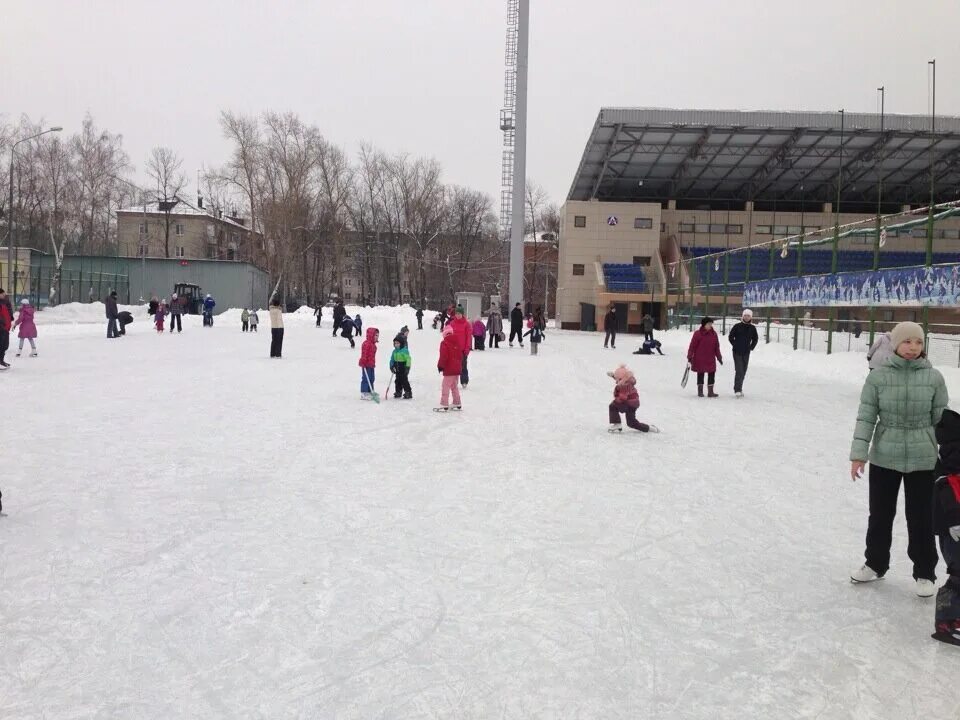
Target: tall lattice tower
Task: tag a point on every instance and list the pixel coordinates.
(513, 123)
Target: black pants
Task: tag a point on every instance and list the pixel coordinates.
(610, 337)
(123, 326)
(711, 378)
(648, 335)
(518, 332)
(4, 343)
(950, 549)
(402, 382)
(276, 342)
(740, 363)
(350, 339)
(419, 323)
(175, 319)
(318, 320)
(494, 340)
(478, 341)
(336, 326)
(464, 373)
(918, 498)
(243, 325)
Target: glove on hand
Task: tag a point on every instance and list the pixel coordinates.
(955, 533)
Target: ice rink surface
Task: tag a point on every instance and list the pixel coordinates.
(197, 531)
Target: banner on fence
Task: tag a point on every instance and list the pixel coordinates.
(916, 286)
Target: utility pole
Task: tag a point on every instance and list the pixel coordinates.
(836, 238)
(876, 241)
(933, 142)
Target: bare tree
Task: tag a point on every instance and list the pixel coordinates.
(244, 169)
(165, 168)
(97, 161)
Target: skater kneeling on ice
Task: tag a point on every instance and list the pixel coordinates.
(449, 365)
(626, 400)
(368, 363)
(946, 524)
(899, 405)
(649, 347)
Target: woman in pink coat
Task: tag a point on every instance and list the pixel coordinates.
(704, 354)
(28, 328)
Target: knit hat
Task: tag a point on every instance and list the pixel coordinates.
(459, 310)
(404, 329)
(747, 313)
(905, 331)
(24, 302)
(705, 321)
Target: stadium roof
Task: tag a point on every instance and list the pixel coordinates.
(717, 157)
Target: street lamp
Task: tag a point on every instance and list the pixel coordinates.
(10, 281)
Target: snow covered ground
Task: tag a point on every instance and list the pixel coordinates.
(196, 531)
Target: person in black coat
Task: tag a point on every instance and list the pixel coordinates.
(347, 327)
(339, 312)
(743, 337)
(123, 319)
(419, 318)
(516, 324)
(610, 328)
(110, 305)
(946, 524)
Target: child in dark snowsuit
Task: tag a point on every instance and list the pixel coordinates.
(346, 330)
(626, 400)
(946, 524)
(400, 366)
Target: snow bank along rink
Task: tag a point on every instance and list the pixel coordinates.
(197, 531)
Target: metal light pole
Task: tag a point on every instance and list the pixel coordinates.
(933, 142)
(876, 241)
(520, 156)
(836, 238)
(10, 237)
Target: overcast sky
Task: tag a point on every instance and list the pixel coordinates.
(426, 76)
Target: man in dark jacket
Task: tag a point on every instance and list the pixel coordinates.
(946, 524)
(419, 318)
(743, 337)
(347, 326)
(339, 312)
(111, 310)
(6, 321)
(516, 324)
(123, 319)
(647, 325)
(610, 328)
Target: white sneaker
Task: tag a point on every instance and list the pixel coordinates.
(365, 396)
(864, 575)
(33, 354)
(739, 394)
(654, 429)
(926, 588)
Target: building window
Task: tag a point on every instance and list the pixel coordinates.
(763, 229)
(181, 251)
(918, 232)
(143, 228)
(686, 227)
(580, 221)
(347, 296)
(663, 227)
(734, 229)
(701, 228)
(578, 269)
(641, 261)
(235, 238)
(231, 254)
(211, 232)
(141, 251)
(718, 229)
(951, 234)
(643, 223)
(179, 227)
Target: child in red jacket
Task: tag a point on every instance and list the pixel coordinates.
(449, 365)
(368, 361)
(626, 399)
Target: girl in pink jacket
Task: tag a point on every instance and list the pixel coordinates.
(28, 328)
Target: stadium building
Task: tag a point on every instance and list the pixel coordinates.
(658, 188)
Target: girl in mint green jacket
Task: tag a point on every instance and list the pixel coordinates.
(900, 404)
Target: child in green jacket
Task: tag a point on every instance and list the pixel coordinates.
(244, 320)
(400, 366)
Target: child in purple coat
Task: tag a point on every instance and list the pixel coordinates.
(28, 328)
(479, 334)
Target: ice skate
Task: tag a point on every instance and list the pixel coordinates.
(33, 354)
(739, 395)
(18, 354)
(865, 574)
(615, 428)
(926, 588)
